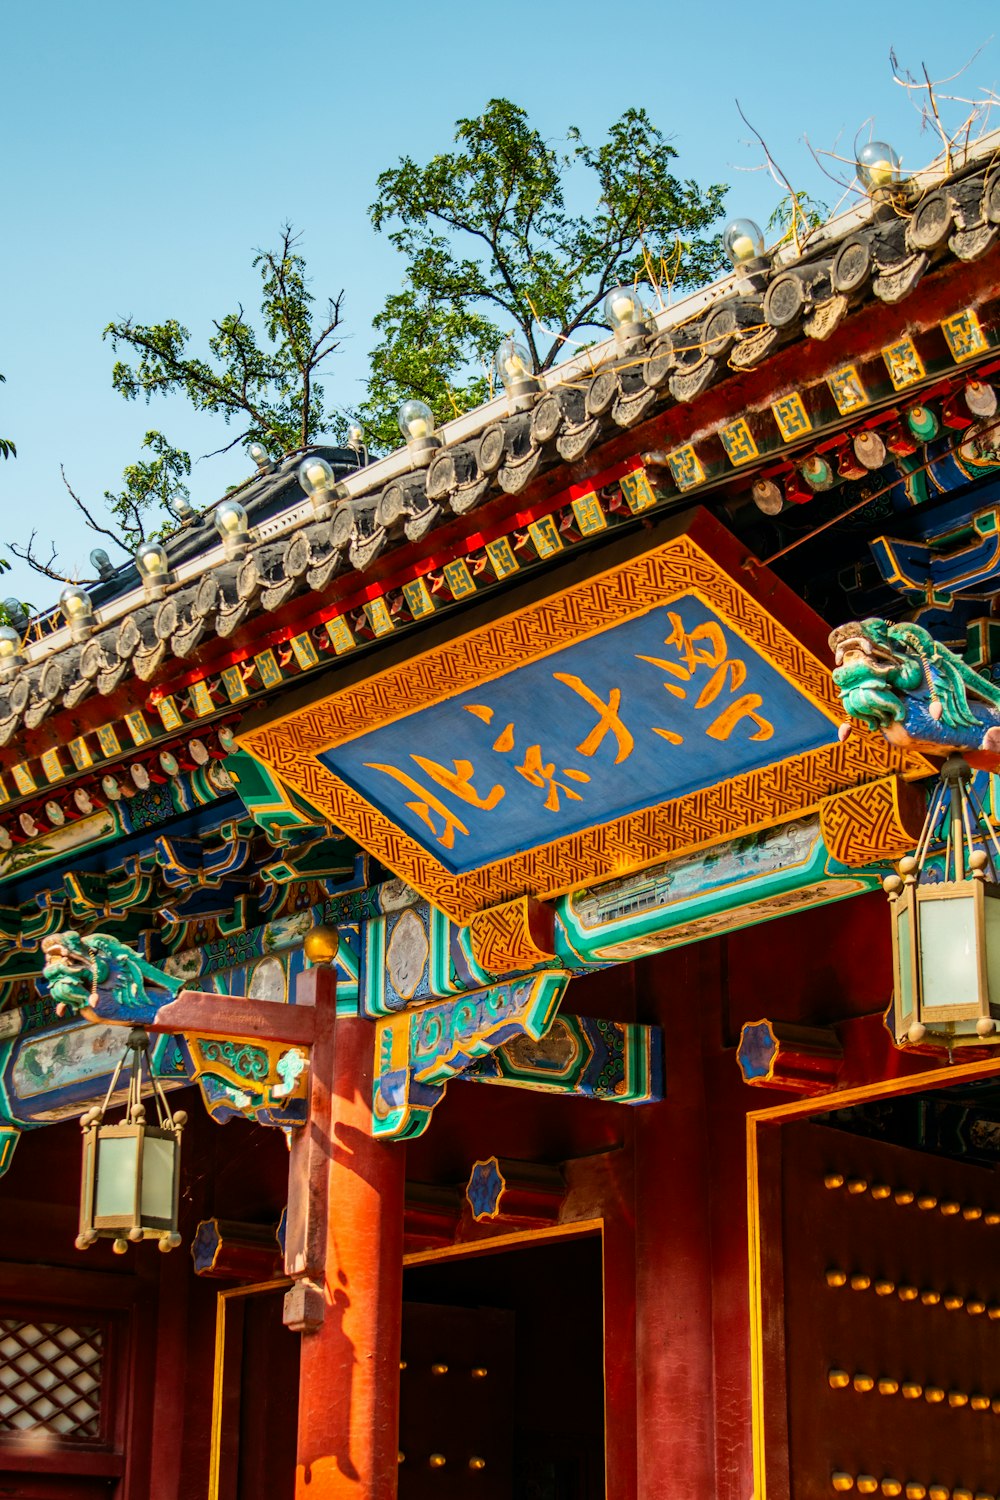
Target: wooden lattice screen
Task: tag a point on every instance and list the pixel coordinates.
(50, 1378)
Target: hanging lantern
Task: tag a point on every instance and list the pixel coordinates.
(946, 933)
(131, 1171)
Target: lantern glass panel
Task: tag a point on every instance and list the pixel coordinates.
(904, 950)
(992, 907)
(157, 1200)
(949, 952)
(116, 1169)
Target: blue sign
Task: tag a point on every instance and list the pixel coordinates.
(645, 711)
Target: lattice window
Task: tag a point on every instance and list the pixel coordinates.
(50, 1378)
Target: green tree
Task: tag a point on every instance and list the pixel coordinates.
(492, 248)
(796, 215)
(265, 384)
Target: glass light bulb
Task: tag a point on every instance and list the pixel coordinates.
(355, 437)
(101, 563)
(416, 420)
(180, 507)
(315, 474)
(743, 240)
(75, 603)
(512, 362)
(230, 518)
(10, 642)
(151, 560)
(623, 305)
(878, 165)
(259, 454)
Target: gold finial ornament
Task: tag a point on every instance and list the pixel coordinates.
(321, 944)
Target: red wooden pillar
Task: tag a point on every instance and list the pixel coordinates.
(348, 1435)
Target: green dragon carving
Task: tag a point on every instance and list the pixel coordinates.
(898, 679)
(103, 980)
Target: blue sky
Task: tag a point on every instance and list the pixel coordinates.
(149, 148)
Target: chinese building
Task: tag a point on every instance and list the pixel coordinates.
(523, 758)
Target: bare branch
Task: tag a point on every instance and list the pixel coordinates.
(94, 526)
(240, 438)
(27, 554)
(798, 216)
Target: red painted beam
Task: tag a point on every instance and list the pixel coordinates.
(231, 1017)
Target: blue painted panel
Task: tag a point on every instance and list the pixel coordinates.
(633, 716)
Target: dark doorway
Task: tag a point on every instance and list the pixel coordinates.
(257, 1399)
(502, 1386)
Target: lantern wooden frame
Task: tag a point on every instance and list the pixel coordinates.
(132, 1220)
(955, 811)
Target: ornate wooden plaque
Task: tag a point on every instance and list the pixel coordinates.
(657, 697)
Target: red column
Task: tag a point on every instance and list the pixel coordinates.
(349, 1372)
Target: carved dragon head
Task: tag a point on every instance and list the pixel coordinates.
(871, 674)
(881, 665)
(100, 978)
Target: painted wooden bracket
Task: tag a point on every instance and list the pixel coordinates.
(514, 936)
(799, 1059)
(231, 1251)
(309, 1023)
(530, 1192)
(417, 1052)
(588, 1057)
(880, 820)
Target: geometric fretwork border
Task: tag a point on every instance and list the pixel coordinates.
(689, 562)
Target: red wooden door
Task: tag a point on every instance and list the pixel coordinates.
(521, 1335)
(891, 1264)
(456, 1403)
